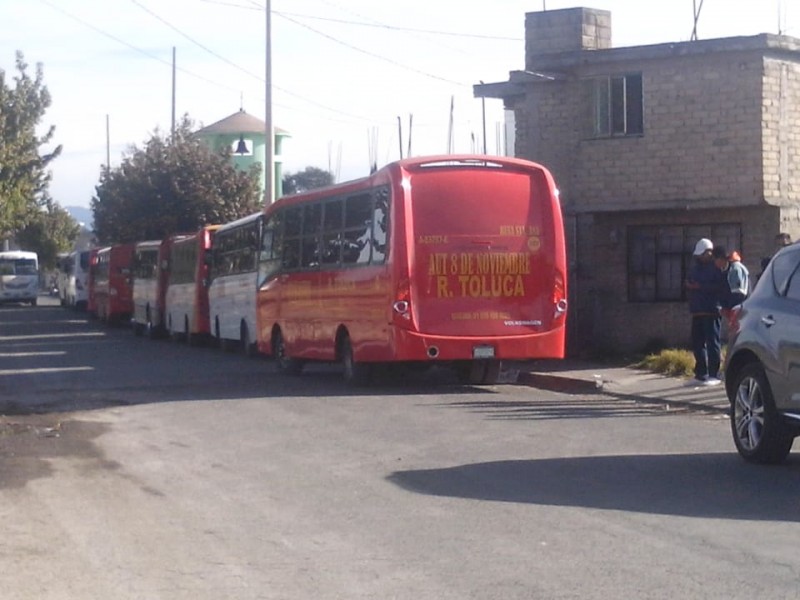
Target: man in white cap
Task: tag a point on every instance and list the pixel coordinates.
(705, 285)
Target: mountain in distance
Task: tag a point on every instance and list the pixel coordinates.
(81, 214)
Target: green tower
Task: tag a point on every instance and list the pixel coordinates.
(245, 135)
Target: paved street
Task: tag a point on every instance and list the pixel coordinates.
(132, 468)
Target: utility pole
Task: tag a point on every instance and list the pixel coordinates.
(483, 114)
(269, 150)
(173, 93)
(108, 147)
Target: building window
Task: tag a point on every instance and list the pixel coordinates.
(659, 258)
(618, 105)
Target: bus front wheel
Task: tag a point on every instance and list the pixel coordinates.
(285, 364)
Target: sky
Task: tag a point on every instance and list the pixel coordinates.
(349, 77)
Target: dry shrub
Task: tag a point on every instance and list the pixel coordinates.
(672, 361)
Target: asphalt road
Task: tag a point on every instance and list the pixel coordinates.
(132, 468)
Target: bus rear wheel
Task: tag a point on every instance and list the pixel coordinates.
(248, 347)
(478, 372)
(355, 373)
(285, 364)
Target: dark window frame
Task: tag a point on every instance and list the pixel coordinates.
(660, 276)
(618, 106)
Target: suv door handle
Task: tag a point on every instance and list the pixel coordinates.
(769, 320)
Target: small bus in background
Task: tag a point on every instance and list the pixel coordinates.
(91, 304)
(232, 291)
(452, 260)
(76, 292)
(63, 269)
(19, 277)
(113, 301)
(186, 303)
(148, 296)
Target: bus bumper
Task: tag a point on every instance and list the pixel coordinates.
(414, 346)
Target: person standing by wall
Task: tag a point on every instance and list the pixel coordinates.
(705, 284)
(736, 275)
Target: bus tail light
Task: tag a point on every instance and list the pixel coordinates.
(401, 307)
(559, 296)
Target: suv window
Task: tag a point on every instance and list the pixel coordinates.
(793, 289)
(783, 266)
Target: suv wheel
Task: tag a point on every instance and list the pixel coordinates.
(758, 430)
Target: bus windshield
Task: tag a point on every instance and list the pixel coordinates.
(17, 266)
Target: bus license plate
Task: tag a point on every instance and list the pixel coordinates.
(483, 352)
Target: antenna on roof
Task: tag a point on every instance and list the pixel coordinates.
(697, 8)
(781, 18)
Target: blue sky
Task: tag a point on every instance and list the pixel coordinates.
(343, 70)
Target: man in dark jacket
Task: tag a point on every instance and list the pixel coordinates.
(705, 285)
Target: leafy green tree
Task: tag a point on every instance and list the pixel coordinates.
(23, 169)
(171, 185)
(49, 231)
(309, 178)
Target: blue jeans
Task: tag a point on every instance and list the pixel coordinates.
(706, 345)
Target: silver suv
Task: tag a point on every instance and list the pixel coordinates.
(762, 366)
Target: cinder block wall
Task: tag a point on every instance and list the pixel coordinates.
(566, 30)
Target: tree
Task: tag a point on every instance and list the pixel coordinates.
(171, 185)
(23, 170)
(49, 231)
(308, 179)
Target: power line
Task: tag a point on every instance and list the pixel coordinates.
(243, 70)
(404, 29)
(372, 54)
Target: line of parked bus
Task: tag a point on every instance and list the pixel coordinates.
(456, 260)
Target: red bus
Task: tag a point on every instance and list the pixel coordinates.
(91, 302)
(455, 260)
(186, 298)
(113, 301)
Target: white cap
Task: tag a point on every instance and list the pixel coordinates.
(703, 245)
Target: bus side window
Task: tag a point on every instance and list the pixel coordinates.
(269, 257)
(312, 224)
(357, 234)
(380, 226)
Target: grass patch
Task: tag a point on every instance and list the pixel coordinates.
(672, 361)
(676, 362)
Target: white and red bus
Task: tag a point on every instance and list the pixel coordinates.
(148, 295)
(232, 291)
(19, 276)
(455, 260)
(112, 299)
(186, 299)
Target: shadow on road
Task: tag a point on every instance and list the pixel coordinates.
(56, 360)
(718, 486)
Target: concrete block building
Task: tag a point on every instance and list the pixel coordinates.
(654, 147)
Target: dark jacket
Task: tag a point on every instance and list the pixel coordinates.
(707, 285)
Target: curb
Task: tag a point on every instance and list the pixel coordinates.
(573, 385)
(558, 383)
